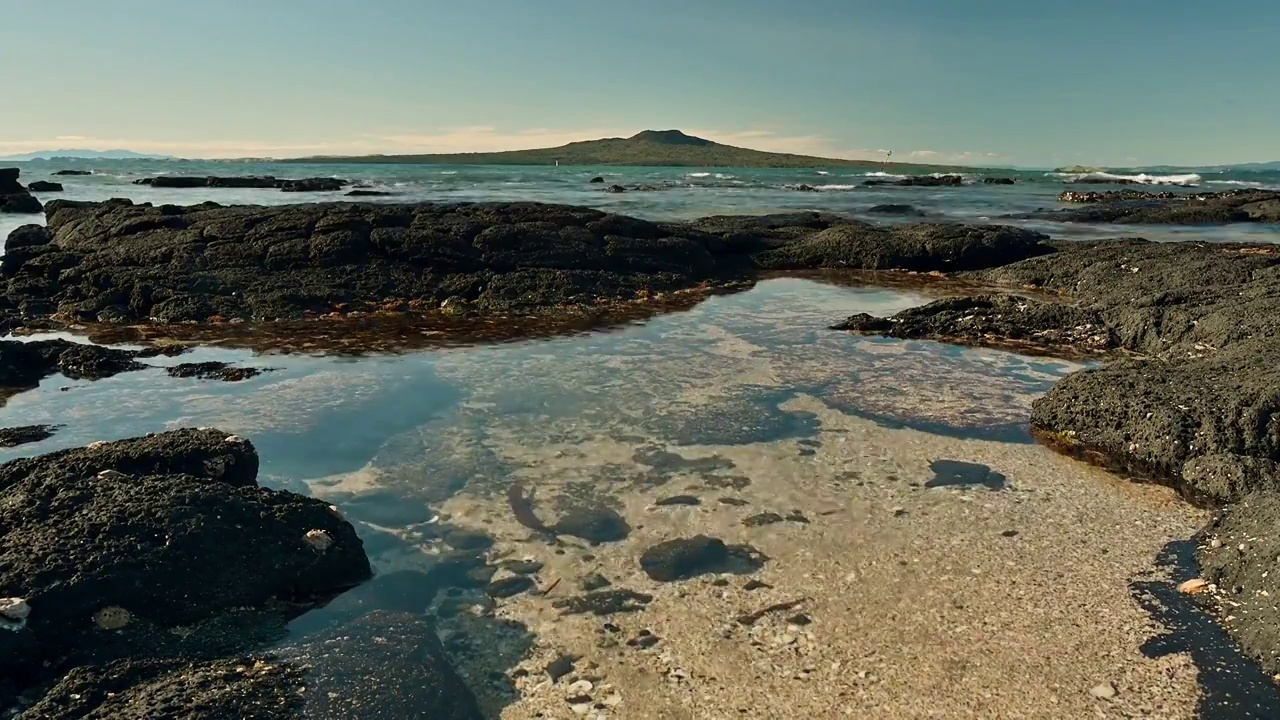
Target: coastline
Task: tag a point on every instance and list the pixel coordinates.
(1204, 349)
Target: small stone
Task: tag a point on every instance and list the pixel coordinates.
(1104, 691)
(560, 667)
(898, 511)
(336, 512)
(613, 700)
(800, 619)
(1010, 533)
(678, 500)
(1215, 543)
(678, 675)
(581, 708)
(112, 618)
(1195, 586)
(319, 540)
(236, 439)
(112, 475)
(756, 585)
(594, 581)
(14, 608)
(581, 687)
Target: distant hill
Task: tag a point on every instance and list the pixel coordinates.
(86, 155)
(655, 148)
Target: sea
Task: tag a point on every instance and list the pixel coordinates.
(671, 193)
(747, 402)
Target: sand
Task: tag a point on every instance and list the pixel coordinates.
(923, 602)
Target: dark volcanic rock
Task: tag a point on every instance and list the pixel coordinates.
(920, 247)
(1243, 567)
(383, 665)
(318, 184)
(995, 320)
(895, 209)
(1198, 209)
(241, 688)
(44, 186)
(606, 602)
(596, 179)
(369, 193)
(213, 370)
(678, 500)
(920, 181)
(199, 453)
(25, 435)
(684, 558)
(92, 546)
(175, 264)
(13, 197)
(510, 586)
(24, 364)
(73, 172)
(615, 189)
(1093, 196)
(998, 181)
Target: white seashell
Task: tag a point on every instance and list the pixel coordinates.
(1194, 586)
(318, 539)
(14, 608)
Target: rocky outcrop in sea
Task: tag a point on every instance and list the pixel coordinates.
(1245, 206)
(14, 198)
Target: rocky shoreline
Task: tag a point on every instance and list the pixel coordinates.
(1188, 398)
(1132, 206)
(14, 198)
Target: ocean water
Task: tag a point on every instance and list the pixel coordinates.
(676, 194)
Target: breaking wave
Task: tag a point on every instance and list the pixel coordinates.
(1141, 178)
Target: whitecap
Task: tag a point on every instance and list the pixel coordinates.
(889, 176)
(1142, 178)
(698, 175)
(823, 172)
(835, 187)
(725, 176)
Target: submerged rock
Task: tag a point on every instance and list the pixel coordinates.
(213, 370)
(24, 364)
(895, 209)
(685, 558)
(597, 524)
(369, 193)
(998, 181)
(73, 172)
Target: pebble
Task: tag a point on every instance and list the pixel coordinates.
(1215, 543)
(580, 708)
(112, 475)
(1104, 691)
(613, 700)
(899, 511)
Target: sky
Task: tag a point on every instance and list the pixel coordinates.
(1010, 82)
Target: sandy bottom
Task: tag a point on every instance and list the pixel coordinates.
(1009, 598)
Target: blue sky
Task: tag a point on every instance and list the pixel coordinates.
(1029, 82)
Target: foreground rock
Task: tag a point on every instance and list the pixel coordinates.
(13, 197)
(117, 262)
(1259, 206)
(152, 548)
(1237, 554)
(213, 370)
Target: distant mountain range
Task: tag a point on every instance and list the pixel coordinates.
(85, 155)
(655, 148)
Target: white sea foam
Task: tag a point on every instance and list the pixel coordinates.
(698, 175)
(725, 176)
(1143, 178)
(1241, 183)
(823, 172)
(835, 187)
(887, 176)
